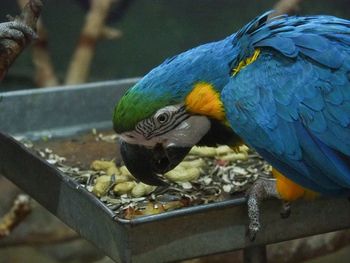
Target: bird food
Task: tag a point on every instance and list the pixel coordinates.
(207, 174)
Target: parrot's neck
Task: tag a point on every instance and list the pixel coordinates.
(205, 100)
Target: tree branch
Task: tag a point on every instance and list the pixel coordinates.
(17, 34)
(44, 75)
(19, 211)
(286, 7)
(94, 26)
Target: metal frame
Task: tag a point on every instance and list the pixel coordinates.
(176, 235)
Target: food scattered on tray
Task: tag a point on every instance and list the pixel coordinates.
(208, 174)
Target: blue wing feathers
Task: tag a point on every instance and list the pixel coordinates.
(293, 103)
(310, 36)
(317, 161)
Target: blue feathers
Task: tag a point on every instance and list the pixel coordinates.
(312, 37)
(293, 103)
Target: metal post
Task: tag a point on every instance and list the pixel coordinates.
(255, 254)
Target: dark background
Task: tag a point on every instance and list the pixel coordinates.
(153, 30)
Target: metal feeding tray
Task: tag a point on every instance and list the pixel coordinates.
(67, 113)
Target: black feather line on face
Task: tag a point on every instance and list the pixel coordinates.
(151, 127)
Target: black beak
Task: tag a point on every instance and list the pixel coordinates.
(145, 164)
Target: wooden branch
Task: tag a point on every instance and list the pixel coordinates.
(44, 75)
(17, 34)
(44, 71)
(286, 7)
(19, 211)
(110, 33)
(57, 236)
(94, 25)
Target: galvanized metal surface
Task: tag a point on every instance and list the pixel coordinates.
(60, 111)
(175, 235)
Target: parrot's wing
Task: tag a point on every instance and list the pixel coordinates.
(295, 110)
(292, 36)
(297, 115)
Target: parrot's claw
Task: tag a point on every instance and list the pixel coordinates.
(285, 211)
(262, 189)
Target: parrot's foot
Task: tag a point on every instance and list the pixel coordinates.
(15, 31)
(262, 189)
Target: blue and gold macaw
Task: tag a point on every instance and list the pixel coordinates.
(282, 86)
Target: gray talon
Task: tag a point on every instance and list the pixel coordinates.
(262, 189)
(253, 214)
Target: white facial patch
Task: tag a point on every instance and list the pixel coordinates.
(169, 126)
(189, 132)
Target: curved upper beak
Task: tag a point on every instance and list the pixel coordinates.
(145, 164)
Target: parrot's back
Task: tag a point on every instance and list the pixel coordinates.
(291, 102)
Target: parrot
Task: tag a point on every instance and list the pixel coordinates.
(280, 85)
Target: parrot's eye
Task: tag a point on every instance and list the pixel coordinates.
(163, 117)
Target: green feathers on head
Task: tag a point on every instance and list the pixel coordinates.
(170, 82)
(135, 106)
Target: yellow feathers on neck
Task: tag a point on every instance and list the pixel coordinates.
(242, 64)
(205, 100)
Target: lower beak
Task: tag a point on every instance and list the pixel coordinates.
(146, 164)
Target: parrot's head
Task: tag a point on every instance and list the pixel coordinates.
(174, 107)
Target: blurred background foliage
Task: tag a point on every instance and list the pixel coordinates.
(152, 31)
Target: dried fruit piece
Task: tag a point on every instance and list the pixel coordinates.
(179, 174)
(153, 208)
(142, 189)
(102, 184)
(99, 165)
(223, 149)
(131, 212)
(174, 205)
(186, 185)
(227, 188)
(113, 170)
(197, 163)
(203, 151)
(243, 148)
(123, 188)
(122, 178)
(125, 171)
(235, 156)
